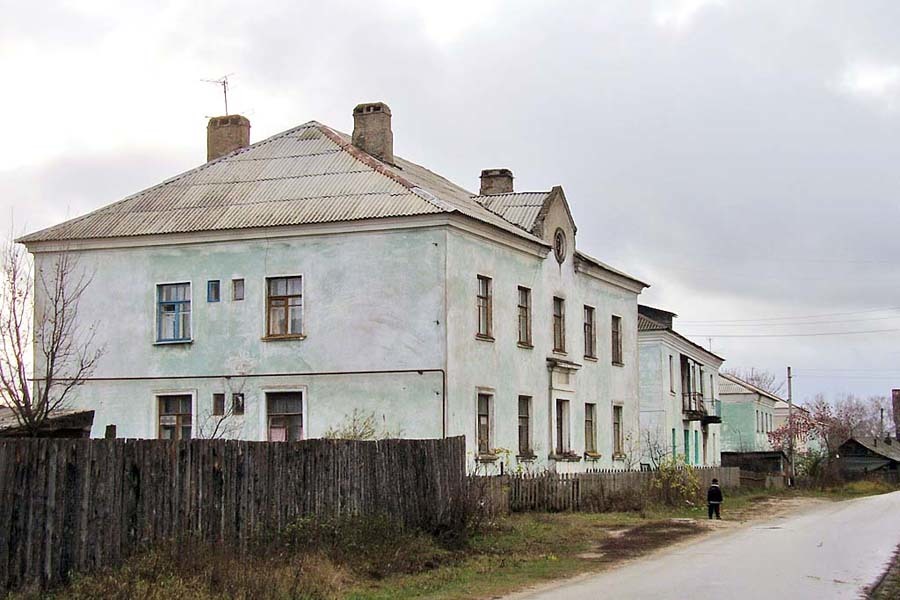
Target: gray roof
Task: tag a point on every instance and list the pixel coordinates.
(891, 451)
(520, 208)
(647, 324)
(309, 174)
(729, 384)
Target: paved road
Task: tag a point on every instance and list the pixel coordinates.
(831, 551)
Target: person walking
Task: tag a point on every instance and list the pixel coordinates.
(714, 499)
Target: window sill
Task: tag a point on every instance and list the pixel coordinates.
(526, 457)
(618, 364)
(559, 352)
(618, 457)
(590, 358)
(172, 342)
(282, 338)
(525, 346)
(592, 456)
(567, 457)
(486, 458)
(484, 338)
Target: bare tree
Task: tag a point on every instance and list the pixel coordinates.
(39, 321)
(655, 447)
(226, 425)
(362, 426)
(764, 380)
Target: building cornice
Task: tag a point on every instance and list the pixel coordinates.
(681, 344)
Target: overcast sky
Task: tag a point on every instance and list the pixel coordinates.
(742, 157)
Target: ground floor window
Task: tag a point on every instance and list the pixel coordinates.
(696, 447)
(175, 417)
(562, 426)
(484, 424)
(590, 428)
(524, 425)
(687, 445)
(284, 411)
(618, 436)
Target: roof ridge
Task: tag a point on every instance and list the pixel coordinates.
(380, 168)
(510, 194)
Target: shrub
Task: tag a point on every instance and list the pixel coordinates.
(676, 483)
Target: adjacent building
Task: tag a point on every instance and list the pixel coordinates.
(680, 408)
(748, 415)
(282, 287)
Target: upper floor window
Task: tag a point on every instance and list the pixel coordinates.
(284, 306)
(559, 245)
(213, 289)
(173, 310)
(590, 338)
(616, 330)
(671, 374)
(483, 307)
(524, 316)
(559, 325)
(237, 289)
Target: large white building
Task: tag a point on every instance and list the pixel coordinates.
(281, 286)
(680, 407)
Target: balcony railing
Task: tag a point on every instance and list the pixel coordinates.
(712, 407)
(692, 402)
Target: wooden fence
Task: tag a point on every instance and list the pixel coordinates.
(74, 505)
(752, 479)
(595, 491)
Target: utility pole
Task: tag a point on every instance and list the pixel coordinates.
(790, 428)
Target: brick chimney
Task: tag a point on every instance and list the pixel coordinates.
(895, 404)
(226, 134)
(372, 130)
(496, 181)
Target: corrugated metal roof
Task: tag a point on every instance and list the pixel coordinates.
(521, 208)
(645, 324)
(729, 384)
(309, 174)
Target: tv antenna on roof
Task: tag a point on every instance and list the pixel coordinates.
(223, 81)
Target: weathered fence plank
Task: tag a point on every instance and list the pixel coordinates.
(74, 505)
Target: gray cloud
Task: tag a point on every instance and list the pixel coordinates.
(723, 160)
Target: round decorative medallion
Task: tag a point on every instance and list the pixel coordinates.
(559, 245)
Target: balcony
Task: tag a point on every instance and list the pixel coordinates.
(692, 406)
(712, 411)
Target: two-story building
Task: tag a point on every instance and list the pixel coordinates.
(279, 287)
(680, 409)
(748, 415)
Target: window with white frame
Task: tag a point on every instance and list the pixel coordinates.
(284, 413)
(616, 339)
(173, 312)
(590, 337)
(671, 374)
(559, 325)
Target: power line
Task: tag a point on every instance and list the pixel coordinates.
(792, 317)
(782, 335)
(820, 322)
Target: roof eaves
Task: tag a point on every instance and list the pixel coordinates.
(606, 267)
(750, 386)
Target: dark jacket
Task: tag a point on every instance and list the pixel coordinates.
(714, 495)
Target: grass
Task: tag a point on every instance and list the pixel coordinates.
(888, 585)
(371, 559)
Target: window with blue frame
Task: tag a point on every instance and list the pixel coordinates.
(173, 310)
(213, 290)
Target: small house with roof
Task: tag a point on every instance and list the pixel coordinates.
(279, 289)
(680, 409)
